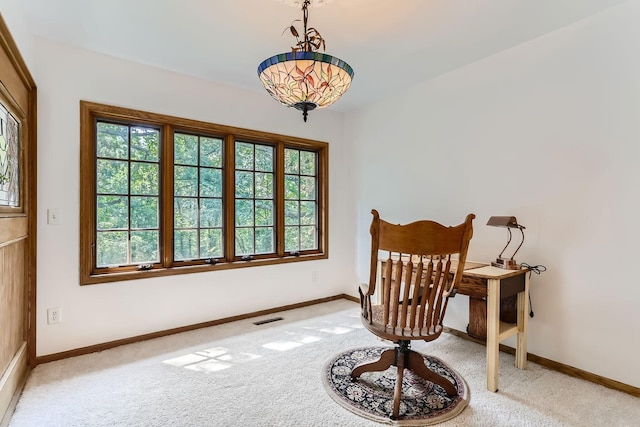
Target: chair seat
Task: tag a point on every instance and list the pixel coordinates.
(418, 332)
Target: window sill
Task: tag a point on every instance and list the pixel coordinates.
(94, 279)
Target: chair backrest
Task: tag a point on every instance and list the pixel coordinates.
(423, 265)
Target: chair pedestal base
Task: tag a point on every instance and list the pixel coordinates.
(404, 358)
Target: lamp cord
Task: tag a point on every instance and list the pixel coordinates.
(533, 269)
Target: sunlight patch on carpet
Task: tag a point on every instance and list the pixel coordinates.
(211, 360)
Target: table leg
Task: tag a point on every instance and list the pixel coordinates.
(493, 332)
(523, 321)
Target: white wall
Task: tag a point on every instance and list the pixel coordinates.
(105, 312)
(13, 16)
(549, 132)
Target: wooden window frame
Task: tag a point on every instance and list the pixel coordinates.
(90, 112)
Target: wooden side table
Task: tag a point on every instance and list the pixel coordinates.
(493, 281)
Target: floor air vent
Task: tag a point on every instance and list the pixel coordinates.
(262, 322)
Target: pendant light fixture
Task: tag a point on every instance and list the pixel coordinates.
(305, 78)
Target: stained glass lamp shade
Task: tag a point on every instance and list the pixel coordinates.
(304, 78)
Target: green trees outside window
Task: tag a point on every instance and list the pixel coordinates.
(128, 191)
(197, 183)
(254, 199)
(164, 195)
(300, 206)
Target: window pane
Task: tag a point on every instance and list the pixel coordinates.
(185, 181)
(210, 213)
(211, 243)
(264, 158)
(244, 213)
(144, 178)
(307, 163)
(291, 239)
(244, 241)
(291, 161)
(199, 206)
(308, 213)
(185, 149)
(112, 140)
(292, 213)
(244, 184)
(211, 152)
(210, 182)
(264, 240)
(113, 177)
(244, 156)
(308, 238)
(144, 246)
(144, 212)
(111, 248)
(264, 185)
(144, 144)
(307, 188)
(291, 187)
(185, 212)
(254, 193)
(10, 159)
(112, 212)
(185, 244)
(301, 205)
(136, 178)
(264, 212)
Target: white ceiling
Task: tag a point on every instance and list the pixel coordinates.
(225, 40)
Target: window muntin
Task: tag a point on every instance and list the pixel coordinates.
(137, 216)
(300, 200)
(127, 194)
(254, 199)
(198, 189)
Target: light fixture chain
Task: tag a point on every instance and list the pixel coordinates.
(305, 17)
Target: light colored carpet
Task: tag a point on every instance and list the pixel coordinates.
(240, 374)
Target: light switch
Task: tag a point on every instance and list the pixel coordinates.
(53, 216)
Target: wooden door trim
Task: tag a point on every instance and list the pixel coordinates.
(8, 45)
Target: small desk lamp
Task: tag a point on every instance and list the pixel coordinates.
(508, 222)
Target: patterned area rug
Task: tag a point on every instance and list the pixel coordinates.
(371, 396)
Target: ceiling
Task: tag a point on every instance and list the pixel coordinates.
(390, 44)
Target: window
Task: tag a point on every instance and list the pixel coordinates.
(127, 194)
(300, 204)
(164, 195)
(9, 161)
(254, 199)
(197, 202)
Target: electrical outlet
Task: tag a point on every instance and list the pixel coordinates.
(54, 315)
(315, 276)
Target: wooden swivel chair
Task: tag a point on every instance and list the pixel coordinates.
(417, 279)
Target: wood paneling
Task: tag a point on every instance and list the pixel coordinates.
(12, 301)
(13, 379)
(13, 229)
